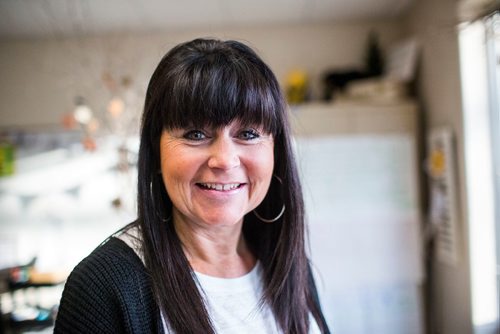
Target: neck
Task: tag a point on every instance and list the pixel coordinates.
(219, 251)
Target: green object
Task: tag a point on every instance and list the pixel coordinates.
(7, 152)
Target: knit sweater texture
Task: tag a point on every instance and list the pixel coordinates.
(109, 292)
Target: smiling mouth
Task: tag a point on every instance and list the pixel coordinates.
(220, 186)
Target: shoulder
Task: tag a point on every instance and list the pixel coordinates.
(112, 265)
(109, 288)
(111, 258)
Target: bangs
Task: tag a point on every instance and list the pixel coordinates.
(216, 89)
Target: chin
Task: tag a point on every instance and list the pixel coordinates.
(222, 220)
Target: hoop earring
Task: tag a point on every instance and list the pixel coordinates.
(272, 220)
(154, 206)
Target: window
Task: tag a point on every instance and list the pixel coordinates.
(493, 55)
(479, 52)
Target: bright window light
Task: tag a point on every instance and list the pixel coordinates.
(479, 174)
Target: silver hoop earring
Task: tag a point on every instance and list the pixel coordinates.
(154, 206)
(272, 220)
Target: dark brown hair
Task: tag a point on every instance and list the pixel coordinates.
(211, 82)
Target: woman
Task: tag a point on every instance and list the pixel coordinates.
(218, 246)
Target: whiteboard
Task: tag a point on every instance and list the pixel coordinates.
(364, 235)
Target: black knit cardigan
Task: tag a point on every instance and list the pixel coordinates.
(109, 292)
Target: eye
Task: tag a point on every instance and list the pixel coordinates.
(249, 134)
(195, 135)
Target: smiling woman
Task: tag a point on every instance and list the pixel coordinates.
(199, 259)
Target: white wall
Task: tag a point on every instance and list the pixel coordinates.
(434, 24)
(40, 78)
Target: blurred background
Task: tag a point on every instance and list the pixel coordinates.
(395, 110)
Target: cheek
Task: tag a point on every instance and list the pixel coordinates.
(174, 168)
(267, 169)
(176, 171)
(175, 160)
(262, 167)
(176, 180)
(268, 162)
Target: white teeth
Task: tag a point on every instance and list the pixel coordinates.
(221, 187)
(229, 186)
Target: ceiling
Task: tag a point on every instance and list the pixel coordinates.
(51, 18)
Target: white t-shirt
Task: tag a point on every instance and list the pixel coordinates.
(233, 304)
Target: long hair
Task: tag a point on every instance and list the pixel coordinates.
(208, 82)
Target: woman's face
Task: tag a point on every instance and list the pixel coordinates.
(216, 176)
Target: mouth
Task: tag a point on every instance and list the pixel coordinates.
(220, 186)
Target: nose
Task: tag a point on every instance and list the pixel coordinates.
(223, 154)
